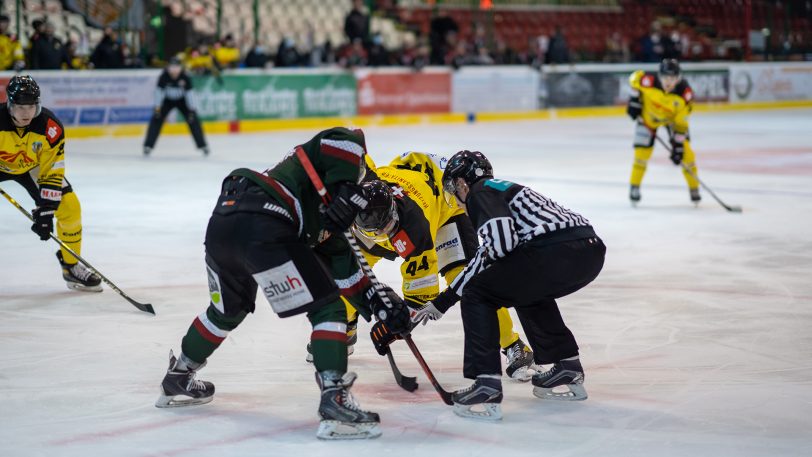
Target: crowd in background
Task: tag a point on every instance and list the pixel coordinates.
(668, 37)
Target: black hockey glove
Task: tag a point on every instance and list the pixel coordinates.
(635, 108)
(346, 204)
(396, 318)
(677, 148)
(44, 220)
(381, 337)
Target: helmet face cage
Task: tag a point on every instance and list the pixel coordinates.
(379, 220)
(471, 166)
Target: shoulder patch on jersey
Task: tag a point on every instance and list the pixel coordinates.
(498, 184)
(647, 81)
(402, 244)
(688, 94)
(52, 131)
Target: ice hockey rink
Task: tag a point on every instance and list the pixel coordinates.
(696, 338)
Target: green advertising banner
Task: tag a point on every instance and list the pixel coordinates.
(275, 96)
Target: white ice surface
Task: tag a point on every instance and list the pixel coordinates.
(696, 337)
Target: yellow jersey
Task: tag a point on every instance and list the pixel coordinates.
(40, 144)
(420, 238)
(10, 52)
(660, 107)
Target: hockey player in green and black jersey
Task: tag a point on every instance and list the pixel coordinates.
(271, 231)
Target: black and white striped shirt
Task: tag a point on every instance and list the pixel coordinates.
(508, 215)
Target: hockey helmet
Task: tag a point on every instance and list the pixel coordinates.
(23, 90)
(670, 67)
(471, 166)
(379, 220)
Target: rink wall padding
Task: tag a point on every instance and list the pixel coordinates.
(120, 102)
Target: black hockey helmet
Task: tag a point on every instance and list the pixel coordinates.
(379, 220)
(471, 166)
(23, 90)
(670, 67)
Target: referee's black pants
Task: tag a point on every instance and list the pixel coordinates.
(529, 279)
(159, 117)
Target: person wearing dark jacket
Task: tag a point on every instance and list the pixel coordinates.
(47, 51)
(108, 53)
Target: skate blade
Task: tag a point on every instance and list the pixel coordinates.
(83, 288)
(169, 401)
(489, 411)
(337, 430)
(574, 392)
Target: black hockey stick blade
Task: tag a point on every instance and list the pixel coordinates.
(408, 383)
(444, 395)
(145, 307)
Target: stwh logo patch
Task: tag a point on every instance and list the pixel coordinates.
(284, 287)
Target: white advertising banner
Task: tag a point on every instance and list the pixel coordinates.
(770, 82)
(494, 89)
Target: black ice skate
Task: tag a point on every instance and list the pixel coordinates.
(481, 400)
(567, 374)
(204, 150)
(695, 197)
(147, 151)
(634, 195)
(180, 382)
(352, 338)
(79, 277)
(519, 361)
(341, 417)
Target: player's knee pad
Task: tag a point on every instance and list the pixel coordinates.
(643, 136)
(69, 214)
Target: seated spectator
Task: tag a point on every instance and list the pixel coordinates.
(226, 52)
(617, 49)
(378, 55)
(287, 55)
(354, 55)
(199, 61)
(257, 57)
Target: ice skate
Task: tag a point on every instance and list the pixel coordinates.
(180, 382)
(634, 195)
(204, 150)
(352, 338)
(79, 277)
(147, 151)
(482, 400)
(341, 417)
(519, 361)
(566, 374)
(695, 197)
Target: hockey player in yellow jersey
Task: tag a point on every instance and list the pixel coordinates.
(408, 217)
(32, 153)
(657, 100)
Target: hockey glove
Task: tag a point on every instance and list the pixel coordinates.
(346, 204)
(396, 318)
(43, 220)
(677, 148)
(635, 108)
(381, 337)
(434, 309)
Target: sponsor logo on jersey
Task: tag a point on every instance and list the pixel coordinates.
(50, 194)
(228, 203)
(402, 244)
(284, 287)
(421, 283)
(214, 289)
(397, 191)
(36, 147)
(12, 158)
(52, 131)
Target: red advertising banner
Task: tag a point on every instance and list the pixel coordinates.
(404, 93)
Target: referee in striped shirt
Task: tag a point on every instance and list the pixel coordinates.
(533, 251)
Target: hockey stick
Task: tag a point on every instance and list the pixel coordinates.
(444, 395)
(408, 383)
(731, 208)
(145, 307)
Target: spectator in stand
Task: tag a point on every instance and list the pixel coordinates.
(74, 61)
(199, 61)
(440, 27)
(48, 52)
(38, 25)
(287, 55)
(653, 45)
(226, 52)
(558, 51)
(378, 55)
(354, 55)
(504, 54)
(11, 53)
(617, 49)
(257, 57)
(356, 24)
(459, 56)
(108, 53)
